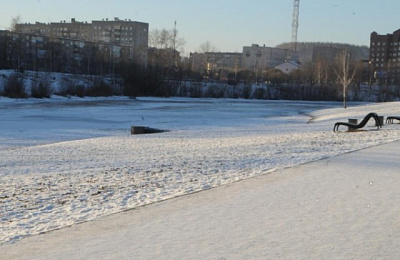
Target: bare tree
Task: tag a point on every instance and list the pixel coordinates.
(14, 21)
(160, 52)
(165, 46)
(321, 72)
(344, 71)
(206, 48)
(166, 39)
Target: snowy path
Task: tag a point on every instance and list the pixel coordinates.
(344, 207)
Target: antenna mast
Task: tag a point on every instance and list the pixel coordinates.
(295, 23)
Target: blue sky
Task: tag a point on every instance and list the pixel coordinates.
(227, 24)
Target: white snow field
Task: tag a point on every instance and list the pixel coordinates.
(344, 207)
(66, 161)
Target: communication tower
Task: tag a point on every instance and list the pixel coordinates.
(295, 23)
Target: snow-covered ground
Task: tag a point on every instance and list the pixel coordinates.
(65, 161)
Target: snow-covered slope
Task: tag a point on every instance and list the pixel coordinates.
(64, 161)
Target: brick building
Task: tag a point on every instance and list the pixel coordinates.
(385, 57)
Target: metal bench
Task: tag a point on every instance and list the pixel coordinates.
(355, 126)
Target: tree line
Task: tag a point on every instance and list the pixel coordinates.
(166, 74)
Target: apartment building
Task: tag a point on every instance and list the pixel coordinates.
(385, 57)
(44, 53)
(36, 28)
(134, 35)
(260, 58)
(73, 30)
(17, 50)
(126, 34)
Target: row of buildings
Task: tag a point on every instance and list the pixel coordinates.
(77, 47)
(126, 40)
(254, 58)
(380, 63)
(124, 33)
(117, 41)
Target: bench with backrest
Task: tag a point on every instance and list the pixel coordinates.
(361, 124)
(390, 119)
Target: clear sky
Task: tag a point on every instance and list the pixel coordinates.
(227, 24)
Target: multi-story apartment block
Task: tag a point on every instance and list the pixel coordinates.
(36, 28)
(385, 56)
(38, 52)
(259, 58)
(72, 30)
(126, 34)
(19, 49)
(120, 32)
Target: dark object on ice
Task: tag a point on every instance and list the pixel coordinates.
(354, 126)
(390, 119)
(137, 130)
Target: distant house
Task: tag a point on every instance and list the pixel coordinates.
(288, 67)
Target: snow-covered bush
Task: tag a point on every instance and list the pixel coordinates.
(15, 87)
(69, 87)
(41, 88)
(99, 89)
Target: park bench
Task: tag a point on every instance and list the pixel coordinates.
(390, 119)
(354, 126)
